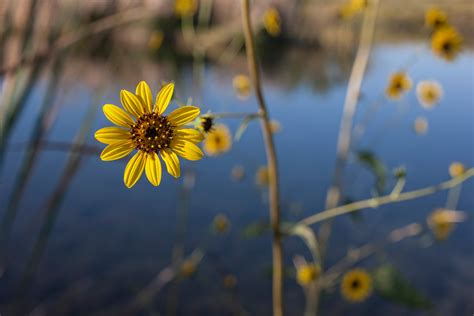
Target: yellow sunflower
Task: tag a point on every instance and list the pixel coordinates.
(440, 224)
(356, 285)
(398, 84)
(185, 7)
(218, 140)
(428, 93)
(446, 43)
(242, 87)
(307, 273)
(272, 22)
(144, 127)
(456, 169)
(435, 18)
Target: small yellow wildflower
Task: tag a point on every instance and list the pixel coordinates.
(275, 126)
(446, 43)
(156, 40)
(307, 273)
(356, 285)
(229, 281)
(187, 269)
(144, 127)
(442, 222)
(218, 140)
(185, 7)
(420, 125)
(242, 87)
(238, 173)
(221, 224)
(262, 176)
(399, 83)
(435, 18)
(428, 93)
(456, 169)
(272, 22)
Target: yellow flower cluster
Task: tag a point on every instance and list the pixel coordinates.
(398, 84)
(456, 169)
(356, 285)
(272, 22)
(445, 40)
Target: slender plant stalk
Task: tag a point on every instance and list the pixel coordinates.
(386, 199)
(274, 194)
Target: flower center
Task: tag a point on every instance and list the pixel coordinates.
(152, 132)
(355, 284)
(447, 46)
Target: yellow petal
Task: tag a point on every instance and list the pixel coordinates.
(153, 169)
(186, 149)
(171, 162)
(117, 116)
(134, 169)
(190, 134)
(164, 97)
(109, 135)
(131, 103)
(183, 115)
(143, 91)
(116, 151)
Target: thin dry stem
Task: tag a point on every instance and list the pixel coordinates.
(274, 195)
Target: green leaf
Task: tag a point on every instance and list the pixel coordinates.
(391, 285)
(368, 159)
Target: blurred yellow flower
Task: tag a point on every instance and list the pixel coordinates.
(242, 87)
(435, 18)
(442, 222)
(156, 40)
(446, 43)
(144, 127)
(238, 172)
(275, 126)
(428, 93)
(307, 273)
(356, 285)
(262, 177)
(218, 140)
(398, 84)
(420, 125)
(352, 7)
(185, 7)
(229, 281)
(272, 22)
(221, 224)
(456, 169)
(187, 269)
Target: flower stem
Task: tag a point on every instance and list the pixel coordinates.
(274, 194)
(386, 199)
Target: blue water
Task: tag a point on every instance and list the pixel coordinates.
(108, 242)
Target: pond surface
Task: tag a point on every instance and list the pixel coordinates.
(82, 244)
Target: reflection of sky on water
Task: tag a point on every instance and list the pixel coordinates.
(118, 239)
